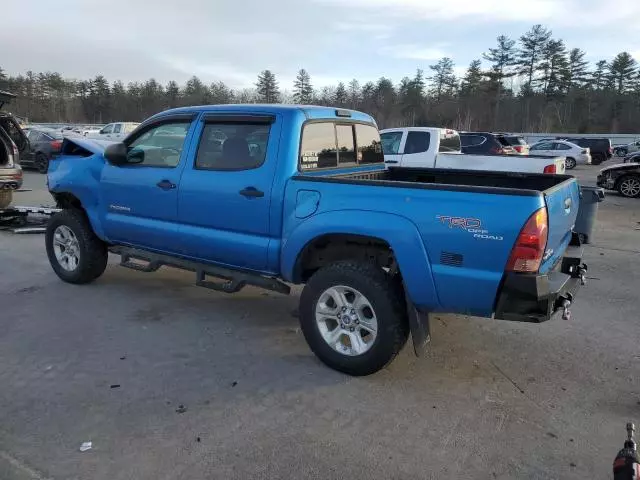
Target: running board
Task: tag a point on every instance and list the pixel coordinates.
(232, 280)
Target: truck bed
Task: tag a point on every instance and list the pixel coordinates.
(503, 183)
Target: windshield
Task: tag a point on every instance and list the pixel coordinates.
(391, 142)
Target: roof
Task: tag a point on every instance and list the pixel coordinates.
(310, 111)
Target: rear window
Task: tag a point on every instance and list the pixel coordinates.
(514, 141)
(369, 144)
(391, 142)
(328, 145)
(449, 142)
(472, 140)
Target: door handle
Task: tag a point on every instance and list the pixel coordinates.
(166, 185)
(251, 192)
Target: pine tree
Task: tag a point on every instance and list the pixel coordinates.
(267, 87)
(302, 88)
(622, 70)
(443, 79)
(340, 96)
(600, 76)
(554, 67)
(531, 53)
(472, 79)
(502, 58)
(577, 68)
(172, 92)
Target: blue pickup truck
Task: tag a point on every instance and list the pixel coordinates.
(274, 195)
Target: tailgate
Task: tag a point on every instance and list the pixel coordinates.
(562, 202)
(560, 165)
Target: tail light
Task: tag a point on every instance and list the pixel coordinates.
(518, 148)
(550, 169)
(528, 250)
(56, 144)
(584, 152)
(496, 150)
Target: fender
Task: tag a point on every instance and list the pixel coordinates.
(397, 231)
(82, 183)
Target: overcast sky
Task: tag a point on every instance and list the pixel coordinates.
(232, 40)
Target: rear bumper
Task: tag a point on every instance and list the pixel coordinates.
(538, 298)
(10, 178)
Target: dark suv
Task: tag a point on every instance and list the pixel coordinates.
(13, 141)
(484, 143)
(601, 149)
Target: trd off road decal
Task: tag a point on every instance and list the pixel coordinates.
(471, 225)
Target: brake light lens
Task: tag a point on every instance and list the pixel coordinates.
(528, 250)
(550, 169)
(518, 148)
(496, 150)
(56, 144)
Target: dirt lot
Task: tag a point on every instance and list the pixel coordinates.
(113, 362)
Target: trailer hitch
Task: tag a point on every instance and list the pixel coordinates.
(579, 271)
(564, 302)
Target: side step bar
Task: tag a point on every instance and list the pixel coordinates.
(232, 280)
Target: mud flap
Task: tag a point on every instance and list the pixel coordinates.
(419, 324)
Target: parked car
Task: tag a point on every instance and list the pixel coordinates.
(573, 153)
(113, 131)
(599, 148)
(484, 143)
(518, 143)
(44, 145)
(425, 147)
(632, 158)
(623, 150)
(625, 178)
(13, 142)
(377, 248)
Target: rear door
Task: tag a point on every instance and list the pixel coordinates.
(226, 190)
(562, 202)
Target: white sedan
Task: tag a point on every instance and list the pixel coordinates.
(553, 148)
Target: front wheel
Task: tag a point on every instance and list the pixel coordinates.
(629, 186)
(353, 317)
(76, 254)
(570, 163)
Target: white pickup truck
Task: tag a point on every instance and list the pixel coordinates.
(113, 131)
(422, 147)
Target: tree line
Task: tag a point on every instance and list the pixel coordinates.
(532, 84)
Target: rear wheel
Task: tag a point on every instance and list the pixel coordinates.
(76, 254)
(353, 317)
(570, 163)
(42, 163)
(597, 159)
(629, 186)
(5, 198)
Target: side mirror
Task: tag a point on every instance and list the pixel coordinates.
(116, 154)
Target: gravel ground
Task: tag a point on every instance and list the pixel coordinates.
(171, 381)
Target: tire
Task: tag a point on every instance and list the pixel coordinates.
(629, 186)
(91, 252)
(570, 163)
(621, 152)
(385, 304)
(42, 163)
(6, 196)
(597, 159)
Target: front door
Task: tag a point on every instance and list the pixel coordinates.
(224, 198)
(139, 202)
